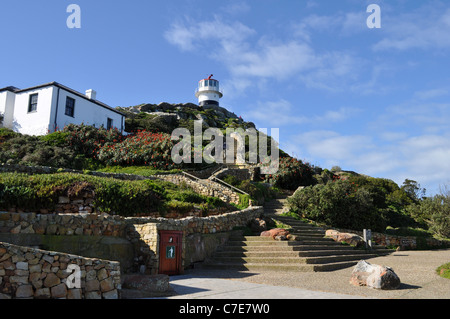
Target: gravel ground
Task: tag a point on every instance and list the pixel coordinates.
(416, 270)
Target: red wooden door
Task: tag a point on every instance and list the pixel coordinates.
(170, 246)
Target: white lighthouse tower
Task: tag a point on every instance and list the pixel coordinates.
(208, 92)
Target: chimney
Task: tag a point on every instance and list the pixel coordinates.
(91, 94)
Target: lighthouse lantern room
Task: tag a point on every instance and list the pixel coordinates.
(208, 92)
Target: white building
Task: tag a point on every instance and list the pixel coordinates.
(48, 107)
(208, 92)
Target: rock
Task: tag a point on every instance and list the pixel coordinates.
(276, 232)
(113, 294)
(107, 284)
(42, 293)
(16, 230)
(349, 238)
(92, 285)
(93, 295)
(22, 265)
(374, 276)
(24, 291)
(74, 294)
(51, 280)
(59, 291)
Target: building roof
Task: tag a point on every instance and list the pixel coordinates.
(17, 90)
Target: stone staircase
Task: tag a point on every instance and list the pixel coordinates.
(310, 252)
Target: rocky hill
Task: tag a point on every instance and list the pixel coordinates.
(165, 117)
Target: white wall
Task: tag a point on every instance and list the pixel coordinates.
(86, 112)
(33, 123)
(50, 112)
(7, 100)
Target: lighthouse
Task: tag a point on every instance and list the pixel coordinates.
(208, 92)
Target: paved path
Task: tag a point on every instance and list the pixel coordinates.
(416, 270)
(195, 287)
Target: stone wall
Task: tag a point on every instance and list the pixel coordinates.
(144, 234)
(203, 187)
(403, 242)
(62, 224)
(33, 273)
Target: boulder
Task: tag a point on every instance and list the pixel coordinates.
(276, 233)
(349, 238)
(374, 276)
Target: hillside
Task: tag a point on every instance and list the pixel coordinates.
(165, 117)
(338, 198)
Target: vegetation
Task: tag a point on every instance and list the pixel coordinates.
(291, 174)
(125, 198)
(258, 192)
(444, 270)
(349, 200)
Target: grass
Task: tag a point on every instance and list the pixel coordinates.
(136, 170)
(444, 270)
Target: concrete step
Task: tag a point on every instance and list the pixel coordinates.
(298, 248)
(289, 253)
(259, 260)
(260, 267)
(281, 267)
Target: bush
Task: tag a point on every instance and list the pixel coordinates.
(291, 174)
(444, 270)
(126, 198)
(338, 204)
(435, 212)
(144, 148)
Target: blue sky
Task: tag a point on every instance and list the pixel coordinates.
(375, 101)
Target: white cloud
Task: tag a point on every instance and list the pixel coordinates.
(426, 28)
(274, 114)
(422, 158)
(248, 56)
(431, 94)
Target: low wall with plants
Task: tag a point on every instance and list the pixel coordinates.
(204, 187)
(27, 273)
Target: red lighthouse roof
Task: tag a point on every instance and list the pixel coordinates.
(209, 78)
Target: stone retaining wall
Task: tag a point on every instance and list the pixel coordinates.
(144, 233)
(403, 242)
(62, 224)
(32, 273)
(203, 187)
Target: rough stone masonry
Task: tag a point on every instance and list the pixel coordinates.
(28, 273)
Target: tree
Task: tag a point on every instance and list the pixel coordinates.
(413, 189)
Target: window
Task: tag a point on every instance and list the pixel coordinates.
(32, 104)
(70, 106)
(109, 124)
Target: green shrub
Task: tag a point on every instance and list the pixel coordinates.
(178, 207)
(291, 174)
(337, 204)
(444, 270)
(126, 198)
(435, 212)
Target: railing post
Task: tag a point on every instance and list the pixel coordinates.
(368, 238)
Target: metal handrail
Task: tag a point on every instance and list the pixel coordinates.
(230, 186)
